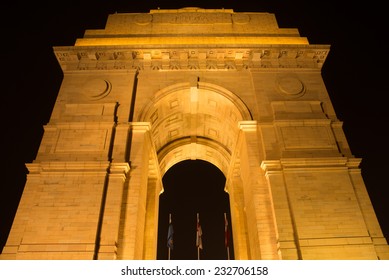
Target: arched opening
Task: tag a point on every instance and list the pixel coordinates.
(188, 123)
(191, 187)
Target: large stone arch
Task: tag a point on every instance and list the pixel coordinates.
(195, 122)
(200, 122)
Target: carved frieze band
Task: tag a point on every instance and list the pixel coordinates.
(190, 18)
(212, 59)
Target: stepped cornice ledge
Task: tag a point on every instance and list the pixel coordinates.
(191, 57)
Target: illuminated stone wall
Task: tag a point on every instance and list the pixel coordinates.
(234, 89)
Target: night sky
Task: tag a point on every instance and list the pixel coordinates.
(355, 73)
(198, 189)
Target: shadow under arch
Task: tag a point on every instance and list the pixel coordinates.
(191, 187)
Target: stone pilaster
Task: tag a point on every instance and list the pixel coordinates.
(132, 224)
(110, 213)
(258, 199)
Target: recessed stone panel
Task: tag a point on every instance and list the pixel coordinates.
(81, 140)
(306, 137)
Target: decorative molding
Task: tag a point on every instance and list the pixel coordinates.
(247, 126)
(103, 58)
(68, 166)
(140, 126)
(303, 163)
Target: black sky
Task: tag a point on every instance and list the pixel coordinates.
(355, 73)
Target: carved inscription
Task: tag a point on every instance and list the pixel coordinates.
(192, 18)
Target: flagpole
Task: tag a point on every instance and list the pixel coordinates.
(226, 236)
(199, 233)
(197, 228)
(170, 221)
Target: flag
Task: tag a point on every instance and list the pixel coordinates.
(170, 236)
(226, 234)
(199, 233)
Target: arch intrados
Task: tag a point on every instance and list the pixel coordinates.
(204, 149)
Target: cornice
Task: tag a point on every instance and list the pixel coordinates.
(191, 58)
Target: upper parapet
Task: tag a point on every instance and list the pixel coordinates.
(207, 25)
(191, 38)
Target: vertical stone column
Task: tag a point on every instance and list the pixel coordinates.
(321, 209)
(132, 224)
(288, 246)
(58, 217)
(121, 146)
(370, 218)
(238, 218)
(112, 201)
(234, 187)
(151, 223)
(257, 196)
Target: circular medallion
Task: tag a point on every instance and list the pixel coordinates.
(290, 86)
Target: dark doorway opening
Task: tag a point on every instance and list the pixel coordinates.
(191, 187)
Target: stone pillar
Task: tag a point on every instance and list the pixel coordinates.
(372, 224)
(120, 151)
(288, 242)
(258, 199)
(151, 224)
(321, 209)
(111, 209)
(59, 213)
(238, 218)
(132, 224)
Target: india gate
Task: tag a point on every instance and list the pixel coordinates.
(151, 90)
